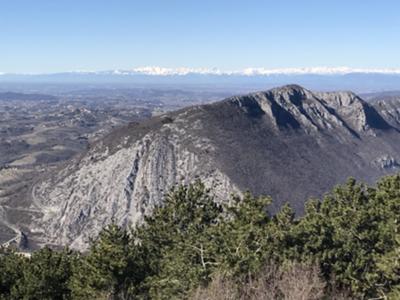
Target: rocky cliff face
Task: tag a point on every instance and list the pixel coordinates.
(288, 142)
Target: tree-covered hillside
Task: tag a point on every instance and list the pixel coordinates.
(346, 245)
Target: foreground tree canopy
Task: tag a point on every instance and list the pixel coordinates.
(346, 244)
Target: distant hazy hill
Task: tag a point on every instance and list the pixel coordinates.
(287, 142)
(25, 97)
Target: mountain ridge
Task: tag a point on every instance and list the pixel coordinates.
(263, 142)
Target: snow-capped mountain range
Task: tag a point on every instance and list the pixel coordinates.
(160, 71)
(251, 71)
(318, 78)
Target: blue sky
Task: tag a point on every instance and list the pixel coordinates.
(53, 36)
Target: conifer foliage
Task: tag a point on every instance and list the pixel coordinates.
(349, 241)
